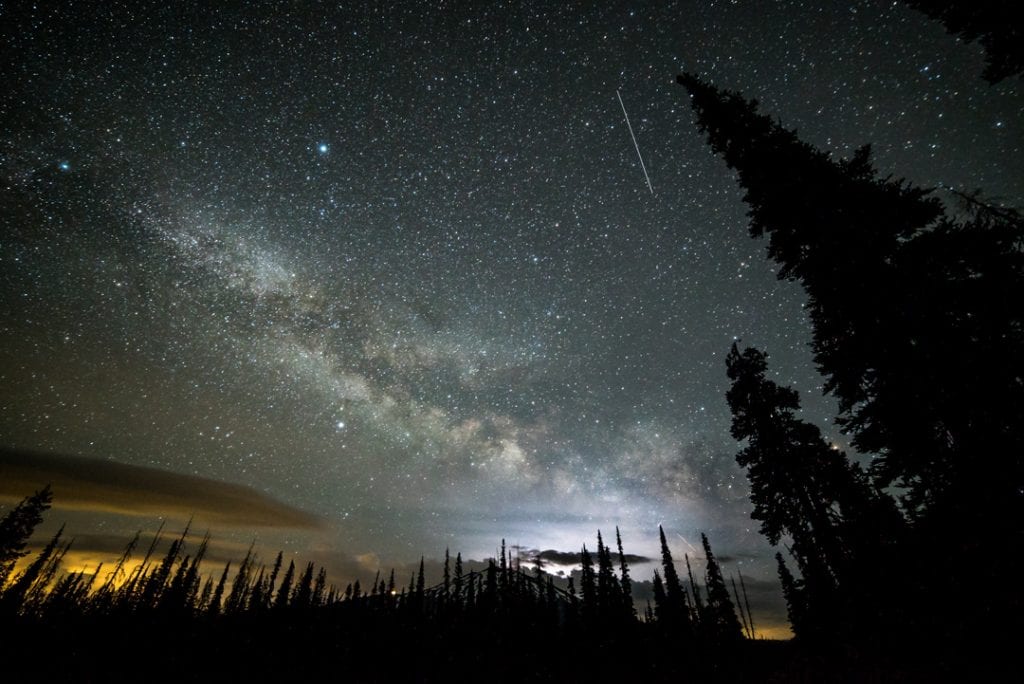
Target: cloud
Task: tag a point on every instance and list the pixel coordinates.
(573, 557)
(111, 487)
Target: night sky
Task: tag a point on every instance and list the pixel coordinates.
(397, 265)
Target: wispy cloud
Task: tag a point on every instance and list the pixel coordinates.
(108, 486)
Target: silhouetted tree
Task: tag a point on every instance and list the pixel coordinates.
(446, 578)
(12, 597)
(238, 597)
(624, 579)
(457, 581)
(796, 606)
(698, 602)
(660, 598)
(721, 615)
(588, 584)
(802, 487)
(215, 602)
(319, 587)
(285, 591)
(268, 590)
(17, 526)
(675, 611)
(609, 591)
(302, 595)
(912, 326)
(993, 23)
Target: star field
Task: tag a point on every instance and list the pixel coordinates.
(398, 264)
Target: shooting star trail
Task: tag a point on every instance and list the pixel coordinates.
(640, 156)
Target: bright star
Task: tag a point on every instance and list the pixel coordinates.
(322, 148)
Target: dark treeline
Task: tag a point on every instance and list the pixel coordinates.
(256, 618)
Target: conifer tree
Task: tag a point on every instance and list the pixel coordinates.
(796, 606)
(285, 591)
(238, 598)
(319, 588)
(16, 528)
(912, 327)
(503, 571)
(698, 602)
(588, 585)
(842, 530)
(457, 581)
(203, 602)
(214, 606)
(574, 601)
(157, 582)
(490, 592)
(446, 578)
(609, 597)
(12, 598)
(302, 595)
(660, 598)
(676, 610)
(106, 590)
(721, 613)
(268, 592)
(994, 24)
(625, 581)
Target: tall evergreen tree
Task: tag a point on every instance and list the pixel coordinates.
(698, 602)
(12, 597)
(420, 583)
(302, 595)
(609, 596)
(215, 602)
(457, 580)
(320, 587)
(796, 604)
(16, 528)
(268, 591)
(624, 579)
(721, 612)
(284, 592)
(842, 530)
(912, 327)
(588, 583)
(798, 482)
(660, 598)
(238, 597)
(446, 577)
(676, 610)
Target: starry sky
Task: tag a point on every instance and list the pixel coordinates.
(397, 265)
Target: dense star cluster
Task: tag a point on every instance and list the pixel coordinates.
(397, 264)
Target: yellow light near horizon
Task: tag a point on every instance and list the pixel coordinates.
(776, 632)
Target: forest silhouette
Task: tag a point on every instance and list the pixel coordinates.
(901, 570)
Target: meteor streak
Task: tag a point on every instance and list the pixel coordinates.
(640, 156)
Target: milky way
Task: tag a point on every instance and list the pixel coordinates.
(399, 266)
